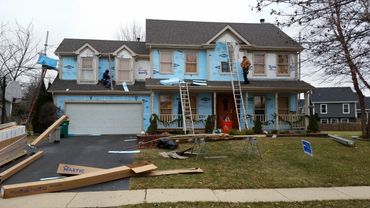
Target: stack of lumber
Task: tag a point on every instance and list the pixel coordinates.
(13, 142)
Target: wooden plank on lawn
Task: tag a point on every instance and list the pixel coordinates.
(12, 150)
(49, 130)
(16, 168)
(38, 187)
(342, 140)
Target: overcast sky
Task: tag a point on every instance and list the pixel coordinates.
(100, 19)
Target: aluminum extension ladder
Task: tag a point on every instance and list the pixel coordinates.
(237, 90)
(187, 116)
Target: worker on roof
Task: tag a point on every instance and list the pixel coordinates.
(106, 79)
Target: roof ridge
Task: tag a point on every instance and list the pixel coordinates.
(88, 39)
(193, 21)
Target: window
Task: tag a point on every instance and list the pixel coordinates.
(324, 121)
(165, 104)
(344, 120)
(123, 71)
(191, 62)
(225, 67)
(87, 69)
(165, 62)
(283, 105)
(334, 120)
(346, 109)
(259, 64)
(283, 64)
(323, 108)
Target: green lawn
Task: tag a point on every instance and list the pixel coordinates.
(309, 204)
(283, 165)
(345, 134)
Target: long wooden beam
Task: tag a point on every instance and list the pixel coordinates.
(16, 168)
(7, 125)
(68, 169)
(38, 187)
(9, 141)
(49, 130)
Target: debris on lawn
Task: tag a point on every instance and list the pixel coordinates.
(129, 140)
(172, 155)
(101, 176)
(166, 143)
(67, 169)
(215, 157)
(341, 140)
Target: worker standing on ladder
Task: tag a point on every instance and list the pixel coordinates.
(245, 66)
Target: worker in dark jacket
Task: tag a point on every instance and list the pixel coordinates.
(106, 79)
(245, 66)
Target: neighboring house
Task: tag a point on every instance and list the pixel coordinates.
(335, 104)
(184, 50)
(367, 107)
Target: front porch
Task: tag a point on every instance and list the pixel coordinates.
(285, 122)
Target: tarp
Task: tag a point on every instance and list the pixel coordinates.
(48, 62)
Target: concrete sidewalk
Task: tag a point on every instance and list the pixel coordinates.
(118, 198)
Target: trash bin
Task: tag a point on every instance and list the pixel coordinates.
(227, 124)
(55, 136)
(64, 129)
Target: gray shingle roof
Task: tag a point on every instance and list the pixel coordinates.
(71, 85)
(103, 46)
(253, 85)
(188, 32)
(367, 102)
(332, 94)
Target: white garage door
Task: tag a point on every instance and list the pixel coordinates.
(104, 118)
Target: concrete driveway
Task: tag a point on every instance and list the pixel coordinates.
(78, 150)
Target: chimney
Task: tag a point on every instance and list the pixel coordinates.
(262, 21)
(138, 39)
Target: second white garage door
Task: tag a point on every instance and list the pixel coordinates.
(104, 118)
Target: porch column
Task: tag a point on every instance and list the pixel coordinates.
(152, 102)
(306, 109)
(214, 109)
(246, 109)
(276, 111)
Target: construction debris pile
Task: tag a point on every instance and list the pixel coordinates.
(13, 144)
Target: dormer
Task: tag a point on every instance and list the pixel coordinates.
(124, 62)
(88, 62)
(228, 34)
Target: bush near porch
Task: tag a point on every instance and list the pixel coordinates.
(283, 164)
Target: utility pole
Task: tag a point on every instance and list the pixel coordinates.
(3, 110)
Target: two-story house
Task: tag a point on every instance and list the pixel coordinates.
(185, 50)
(335, 104)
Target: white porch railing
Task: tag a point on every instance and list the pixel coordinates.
(293, 120)
(174, 121)
(260, 117)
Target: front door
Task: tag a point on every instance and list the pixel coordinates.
(225, 109)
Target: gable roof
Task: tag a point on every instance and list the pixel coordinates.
(103, 46)
(197, 33)
(333, 94)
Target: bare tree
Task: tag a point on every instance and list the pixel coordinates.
(131, 32)
(336, 34)
(18, 51)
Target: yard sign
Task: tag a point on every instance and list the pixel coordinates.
(307, 148)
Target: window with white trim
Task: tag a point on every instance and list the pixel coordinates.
(87, 70)
(323, 108)
(191, 60)
(123, 70)
(165, 62)
(259, 64)
(344, 120)
(283, 64)
(334, 120)
(324, 121)
(346, 109)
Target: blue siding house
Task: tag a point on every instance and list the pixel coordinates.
(185, 50)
